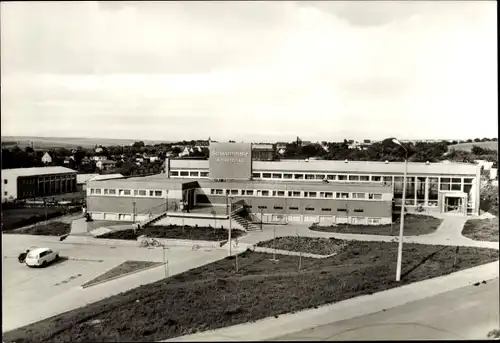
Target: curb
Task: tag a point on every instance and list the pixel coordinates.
(121, 275)
(290, 253)
(289, 323)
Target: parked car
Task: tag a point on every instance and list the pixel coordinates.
(41, 257)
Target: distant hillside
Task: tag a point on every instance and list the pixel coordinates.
(62, 142)
(468, 146)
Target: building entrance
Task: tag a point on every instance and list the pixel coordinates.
(454, 204)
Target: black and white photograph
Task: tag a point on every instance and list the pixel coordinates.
(249, 171)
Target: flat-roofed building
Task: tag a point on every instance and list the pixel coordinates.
(289, 191)
(22, 183)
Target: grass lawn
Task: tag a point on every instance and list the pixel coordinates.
(200, 233)
(481, 229)
(18, 217)
(14, 218)
(319, 246)
(122, 269)
(415, 225)
(51, 229)
(215, 296)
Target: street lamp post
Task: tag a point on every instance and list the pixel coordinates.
(401, 224)
(166, 202)
(230, 223)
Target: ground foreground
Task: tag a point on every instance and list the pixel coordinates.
(318, 246)
(121, 270)
(415, 225)
(481, 229)
(215, 296)
(198, 233)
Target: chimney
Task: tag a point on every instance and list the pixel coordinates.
(167, 167)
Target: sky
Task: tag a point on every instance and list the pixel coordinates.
(249, 71)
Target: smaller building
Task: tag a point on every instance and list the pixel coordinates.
(46, 159)
(106, 164)
(263, 152)
(22, 183)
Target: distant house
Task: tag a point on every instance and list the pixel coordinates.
(106, 164)
(46, 159)
(187, 150)
(281, 145)
(99, 158)
(151, 158)
(98, 150)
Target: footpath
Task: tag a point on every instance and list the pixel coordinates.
(270, 328)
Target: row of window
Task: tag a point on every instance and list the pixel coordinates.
(330, 177)
(307, 208)
(126, 192)
(296, 194)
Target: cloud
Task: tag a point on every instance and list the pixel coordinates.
(171, 70)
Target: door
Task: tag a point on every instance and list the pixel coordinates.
(454, 204)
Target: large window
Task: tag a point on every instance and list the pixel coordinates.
(445, 184)
(219, 192)
(287, 176)
(294, 193)
(256, 175)
(376, 178)
(410, 190)
(342, 177)
(194, 173)
(328, 194)
(456, 184)
(398, 187)
(375, 196)
(330, 177)
(112, 191)
(358, 195)
(364, 178)
(298, 176)
(320, 176)
(158, 193)
(234, 192)
(353, 177)
(309, 176)
(276, 176)
(421, 190)
(265, 193)
(266, 175)
(203, 174)
(433, 191)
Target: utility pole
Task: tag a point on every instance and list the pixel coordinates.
(261, 215)
(347, 215)
(165, 260)
(300, 250)
(166, 202)
(133, 212)
(230, 225)
(274, 245)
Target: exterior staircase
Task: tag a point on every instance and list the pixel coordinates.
(153, 219)
(243, 222)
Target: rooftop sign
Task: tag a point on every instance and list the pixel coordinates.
(232, 161)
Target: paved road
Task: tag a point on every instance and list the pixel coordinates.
(466, 313)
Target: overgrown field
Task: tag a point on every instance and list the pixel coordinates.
(415, 225)
(198, 233)
(215, 296)
(481, 229)
(15, 218)
(50, 229)
(319, 246)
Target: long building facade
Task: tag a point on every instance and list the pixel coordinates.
(22, 183)
(289, 191)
